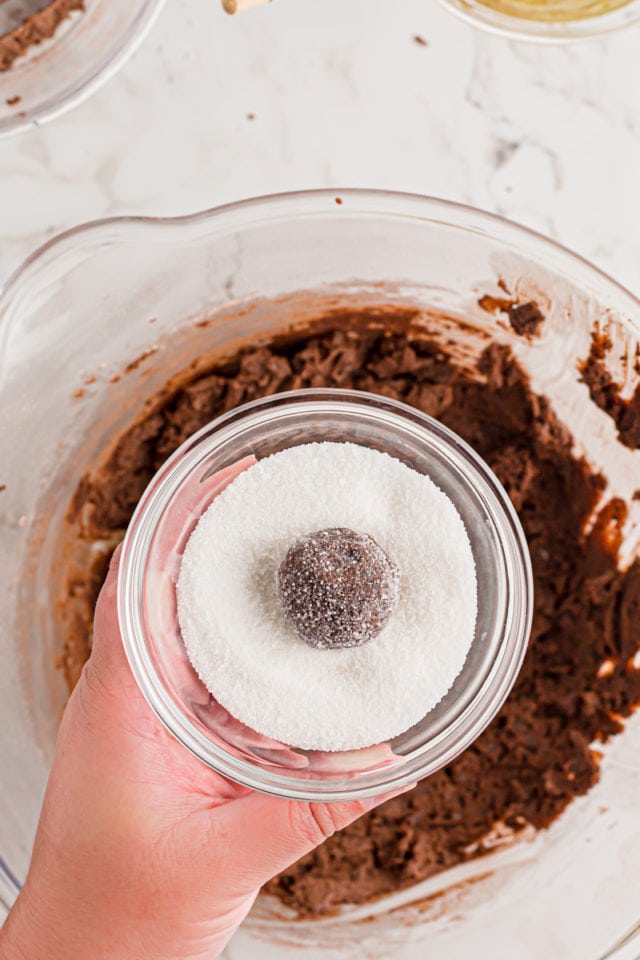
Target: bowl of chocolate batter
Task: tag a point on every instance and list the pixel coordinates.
(528, 844)
(55, 53)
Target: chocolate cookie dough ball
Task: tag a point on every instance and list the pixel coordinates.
(337, 588)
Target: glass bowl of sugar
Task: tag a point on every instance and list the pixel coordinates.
(207, 635)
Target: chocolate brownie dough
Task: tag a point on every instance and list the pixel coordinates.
(606, 394)
(34, 29)
(578, 680)
(525, 318)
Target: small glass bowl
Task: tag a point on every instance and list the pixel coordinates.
(85, 51)
(561, 22)
(150, 561)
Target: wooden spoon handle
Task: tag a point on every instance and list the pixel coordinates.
(238, 6)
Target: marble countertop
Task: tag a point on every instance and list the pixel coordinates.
(310, 93)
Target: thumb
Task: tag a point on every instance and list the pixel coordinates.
(107, 648)
(270, 833)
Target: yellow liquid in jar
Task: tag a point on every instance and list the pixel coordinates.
(554, 11)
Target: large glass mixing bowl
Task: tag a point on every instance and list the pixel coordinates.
(79, 311)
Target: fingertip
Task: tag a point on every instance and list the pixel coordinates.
(114, 563)
(105, 621)
(108, 590)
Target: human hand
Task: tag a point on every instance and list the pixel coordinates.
(142, 851)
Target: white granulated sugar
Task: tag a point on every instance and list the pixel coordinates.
(257, 666)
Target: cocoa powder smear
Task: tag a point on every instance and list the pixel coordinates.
(537, 755)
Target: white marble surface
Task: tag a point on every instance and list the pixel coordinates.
(343, 96)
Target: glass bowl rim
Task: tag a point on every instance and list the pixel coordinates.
(93, 235)
(485, 701)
